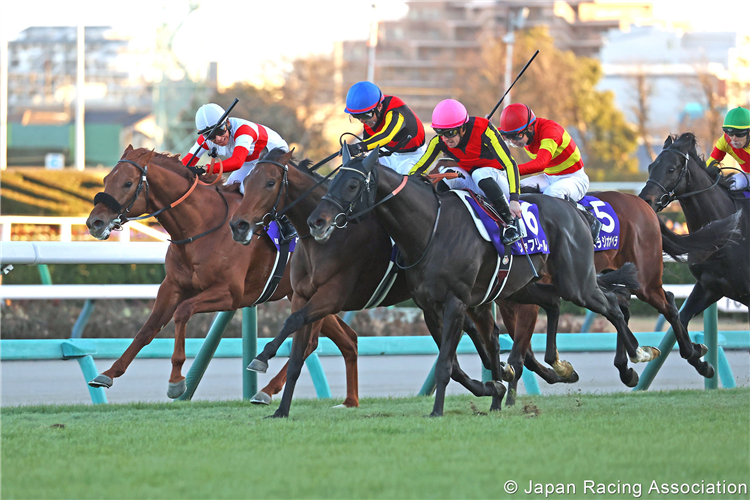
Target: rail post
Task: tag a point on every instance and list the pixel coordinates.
(249, 351)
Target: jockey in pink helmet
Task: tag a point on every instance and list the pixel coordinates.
(475, 144)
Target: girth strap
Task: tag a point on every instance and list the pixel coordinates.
(278, 273)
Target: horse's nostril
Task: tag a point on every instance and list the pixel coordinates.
(98, 223)
(243, 225)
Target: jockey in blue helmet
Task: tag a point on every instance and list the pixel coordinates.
(388, 124)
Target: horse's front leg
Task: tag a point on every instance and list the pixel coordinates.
(453, 318)
(345, 339)
(325, 301)
(167, 298)
(209, 300)
(489, 332)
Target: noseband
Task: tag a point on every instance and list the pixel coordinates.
(669, 194)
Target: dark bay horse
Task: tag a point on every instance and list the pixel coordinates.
(640, 242)
(210, 273)
(450, 267)
(347, 274)
(679, 174)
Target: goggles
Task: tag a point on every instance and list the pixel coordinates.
(512, 136)
(212, 135)
(447, 132)
(364, 116)
(736, 132)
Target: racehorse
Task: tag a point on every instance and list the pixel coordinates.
(450, 268)
(352, 272)
(678, 173)
(640, 243)
(205, 270)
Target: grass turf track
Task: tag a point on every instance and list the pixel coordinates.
(384, 449)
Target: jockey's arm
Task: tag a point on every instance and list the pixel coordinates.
(428, 158)
(719, 152)
(231, 164)
(191, 159)
(392, 125)
(543, 157)
(502, 154)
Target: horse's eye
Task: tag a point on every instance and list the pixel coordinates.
(128, 184)
(671, 169)
(270, 183)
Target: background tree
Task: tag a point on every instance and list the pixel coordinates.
(642, 91)
(560, 86)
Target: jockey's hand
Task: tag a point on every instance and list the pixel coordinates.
(213, 153)
(356, 148)
(515, 208)
(197, 170)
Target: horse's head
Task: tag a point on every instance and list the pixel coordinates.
(121, 196)
(266, 189)
(350, 196)
(669, 174)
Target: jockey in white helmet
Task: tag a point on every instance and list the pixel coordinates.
(241, 141)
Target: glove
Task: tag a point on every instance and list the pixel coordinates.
(197, 170)
(356, 148)
(213, 153)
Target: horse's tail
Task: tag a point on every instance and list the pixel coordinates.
(623, 281)
(702, 243)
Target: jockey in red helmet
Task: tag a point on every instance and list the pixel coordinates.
(242, 141)
(389, 124)
(735, 142)
(556, 167)
(475, 144)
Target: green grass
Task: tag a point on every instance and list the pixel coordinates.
(384, 449)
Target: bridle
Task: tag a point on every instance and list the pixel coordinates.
(121, 211)
(274, 214)
(669, 194)
(366, 196)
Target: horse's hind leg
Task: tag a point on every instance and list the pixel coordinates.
(276, 384)
(489, 333)
(166, 302)
(296, 360)
(345, 339)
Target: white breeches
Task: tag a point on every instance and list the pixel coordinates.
(403, 162)
(472, 182)
(573, 186)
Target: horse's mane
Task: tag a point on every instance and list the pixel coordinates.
(169, 161)
(303, 166)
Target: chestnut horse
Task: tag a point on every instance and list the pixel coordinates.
(206, 271)
(640, 242)
(346, 274)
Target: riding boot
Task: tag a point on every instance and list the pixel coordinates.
(286, 229)
(497, 198)
(595, 224)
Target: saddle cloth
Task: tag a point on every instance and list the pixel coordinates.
(284, 249)
(534, 239)
(609, 236)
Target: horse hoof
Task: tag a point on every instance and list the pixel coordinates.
(510, 400)
(573, 378)
(176, 389)
(563, 369)
(708, 372)
(261, 398)
(703, 349)
(645, 353)
(499, 388)
(101, 381)
(258, 366)
(633, 379)
(509, 374)
(342, 405)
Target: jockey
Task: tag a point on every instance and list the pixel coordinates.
(241, 140)
(389, 124)
(736, 142)
(556, 160)
(475, 144)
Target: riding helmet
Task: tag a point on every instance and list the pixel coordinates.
(362, 97)
(515, 118)
(738, 118)
(449, 114)
(207, 116)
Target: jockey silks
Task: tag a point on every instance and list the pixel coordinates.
(398, 129)
(481, 146)
(553, 151)
(723, 147)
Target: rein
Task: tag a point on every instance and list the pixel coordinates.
(669, 195)
(121, 212)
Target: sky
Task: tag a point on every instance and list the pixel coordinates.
(243, 35)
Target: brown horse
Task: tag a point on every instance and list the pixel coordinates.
(640, 242)
(346, 274)
(206, 270)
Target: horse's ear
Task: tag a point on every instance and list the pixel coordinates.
(127, 150)
(286, 157)
(147, 157)
(370, 161)
(668, 142)
(345, 155)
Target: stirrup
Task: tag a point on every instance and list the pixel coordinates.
(511, 234)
